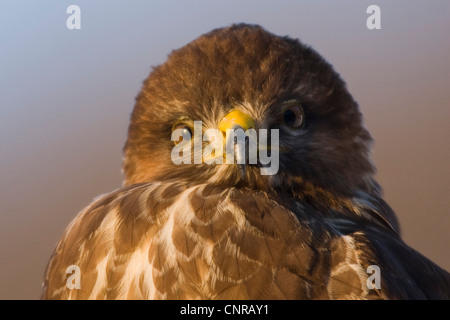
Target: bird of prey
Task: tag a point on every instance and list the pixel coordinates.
(316, 228)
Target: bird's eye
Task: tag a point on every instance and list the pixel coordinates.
(293, 116)
(181, 132)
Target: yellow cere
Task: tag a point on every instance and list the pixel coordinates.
(236, 117)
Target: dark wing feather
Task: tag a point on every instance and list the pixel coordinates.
(407, 274)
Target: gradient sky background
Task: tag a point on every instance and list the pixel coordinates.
(66, 97)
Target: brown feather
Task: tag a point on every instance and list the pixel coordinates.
(209, 232)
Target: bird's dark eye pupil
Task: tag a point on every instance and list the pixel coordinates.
(187, 134)
(289, 117)
(184, 133)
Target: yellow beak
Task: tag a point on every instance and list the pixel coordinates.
(236, 120)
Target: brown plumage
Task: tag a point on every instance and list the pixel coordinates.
(203, 231)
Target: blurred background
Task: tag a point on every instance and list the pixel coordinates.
(66, 96)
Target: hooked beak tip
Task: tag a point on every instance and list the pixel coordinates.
(242, 170)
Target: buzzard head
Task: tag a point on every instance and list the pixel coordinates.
(245, 77)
